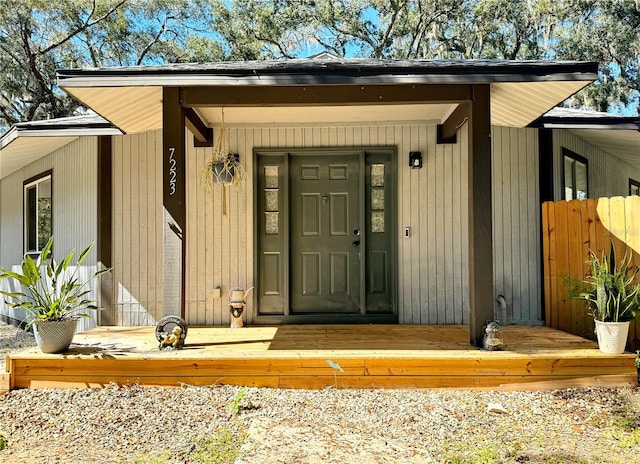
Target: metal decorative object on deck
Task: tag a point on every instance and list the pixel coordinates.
(492, 340)
(171, 333)
(237, 302)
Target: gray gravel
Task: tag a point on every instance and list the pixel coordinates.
(153, 425)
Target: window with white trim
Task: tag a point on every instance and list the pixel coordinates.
(38, 214)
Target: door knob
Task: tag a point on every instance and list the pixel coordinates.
(356, 243)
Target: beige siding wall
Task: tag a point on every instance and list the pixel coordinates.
(74, 209)
(432, 264)
(432, 271)
(137, 230)
(516, 223)
(608, 175)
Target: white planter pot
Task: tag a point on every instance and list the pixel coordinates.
(612, 336)
(54, 336)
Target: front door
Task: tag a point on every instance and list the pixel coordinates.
(325, 233)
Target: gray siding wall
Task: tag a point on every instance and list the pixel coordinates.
(516, 224)
(608, 176)
(74, 210)
(432, 264)
(137, 230)
(432, 271)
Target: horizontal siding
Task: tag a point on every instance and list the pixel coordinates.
(432, 272)
(74, 209)
(137, 230)
(516, 224)
(607, 175)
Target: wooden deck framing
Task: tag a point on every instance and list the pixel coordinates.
(370, 356)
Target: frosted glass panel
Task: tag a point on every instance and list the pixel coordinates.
(377, 198)
(377, 175)
(271, 223)
(377, 221)
(271, 176)
(271, 199)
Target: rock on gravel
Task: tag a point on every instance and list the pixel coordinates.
(157, 425)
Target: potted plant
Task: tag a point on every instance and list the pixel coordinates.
(53, 295)
(612, 293)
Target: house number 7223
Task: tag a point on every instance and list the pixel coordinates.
(173, 174)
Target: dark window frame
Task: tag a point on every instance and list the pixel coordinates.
(566, 153)
(634, 183)
(35, 180)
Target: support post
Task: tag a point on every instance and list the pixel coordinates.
(481, 298)
(104, 236)
(173, 201)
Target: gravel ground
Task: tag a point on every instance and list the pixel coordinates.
(183, 425)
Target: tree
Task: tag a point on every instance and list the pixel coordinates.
(37, 37)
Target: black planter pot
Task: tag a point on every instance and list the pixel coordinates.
(222, 174)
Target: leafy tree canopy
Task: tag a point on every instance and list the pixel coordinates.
(37, 37)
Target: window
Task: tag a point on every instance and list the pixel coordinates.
(634, 187)
(37, 213)
(575, 176)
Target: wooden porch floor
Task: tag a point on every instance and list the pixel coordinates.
(371, 356)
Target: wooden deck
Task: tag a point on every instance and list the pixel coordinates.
(370, 356)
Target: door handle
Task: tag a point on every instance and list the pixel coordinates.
(356, 243)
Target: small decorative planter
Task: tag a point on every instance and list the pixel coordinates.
(222, 173)
(54, 336)
(612, 336)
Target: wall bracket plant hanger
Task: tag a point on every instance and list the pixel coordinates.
(223, 167)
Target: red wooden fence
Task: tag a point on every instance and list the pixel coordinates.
(570, 230)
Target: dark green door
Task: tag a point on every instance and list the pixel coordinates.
(325, 221)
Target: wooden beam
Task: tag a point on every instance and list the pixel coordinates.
(447, 131)
(174, 201)
(481, 298)
(202, 135)
(326, 95)
(104, 237)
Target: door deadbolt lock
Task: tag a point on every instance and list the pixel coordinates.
(356, 243)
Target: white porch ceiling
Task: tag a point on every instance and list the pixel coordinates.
(25, 150)
(624, 144)
(139, 108)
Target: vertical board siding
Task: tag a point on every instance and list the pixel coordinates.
(137, 230)
(570, 230)
(74, 208)
(607, 175)
(516, 223)
(432, 264)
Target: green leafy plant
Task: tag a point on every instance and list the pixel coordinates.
(237, 406)
(336, 368)
(51, 291)
(612, 290)
(224, 447)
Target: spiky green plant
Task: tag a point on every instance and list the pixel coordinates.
(613, 287)
(51, 291)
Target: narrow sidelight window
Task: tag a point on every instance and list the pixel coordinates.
(38, 217)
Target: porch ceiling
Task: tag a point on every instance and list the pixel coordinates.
(139, 109)
(624, 144)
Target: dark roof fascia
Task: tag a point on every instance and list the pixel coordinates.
(594, 123)
(327, 72)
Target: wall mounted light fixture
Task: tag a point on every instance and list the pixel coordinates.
(415, 160)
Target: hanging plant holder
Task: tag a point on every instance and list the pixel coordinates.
(223, 168)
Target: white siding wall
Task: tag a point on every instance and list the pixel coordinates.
(432, 270)
(516, 223)
(137, 230)
(74, 209)
(608, 175)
